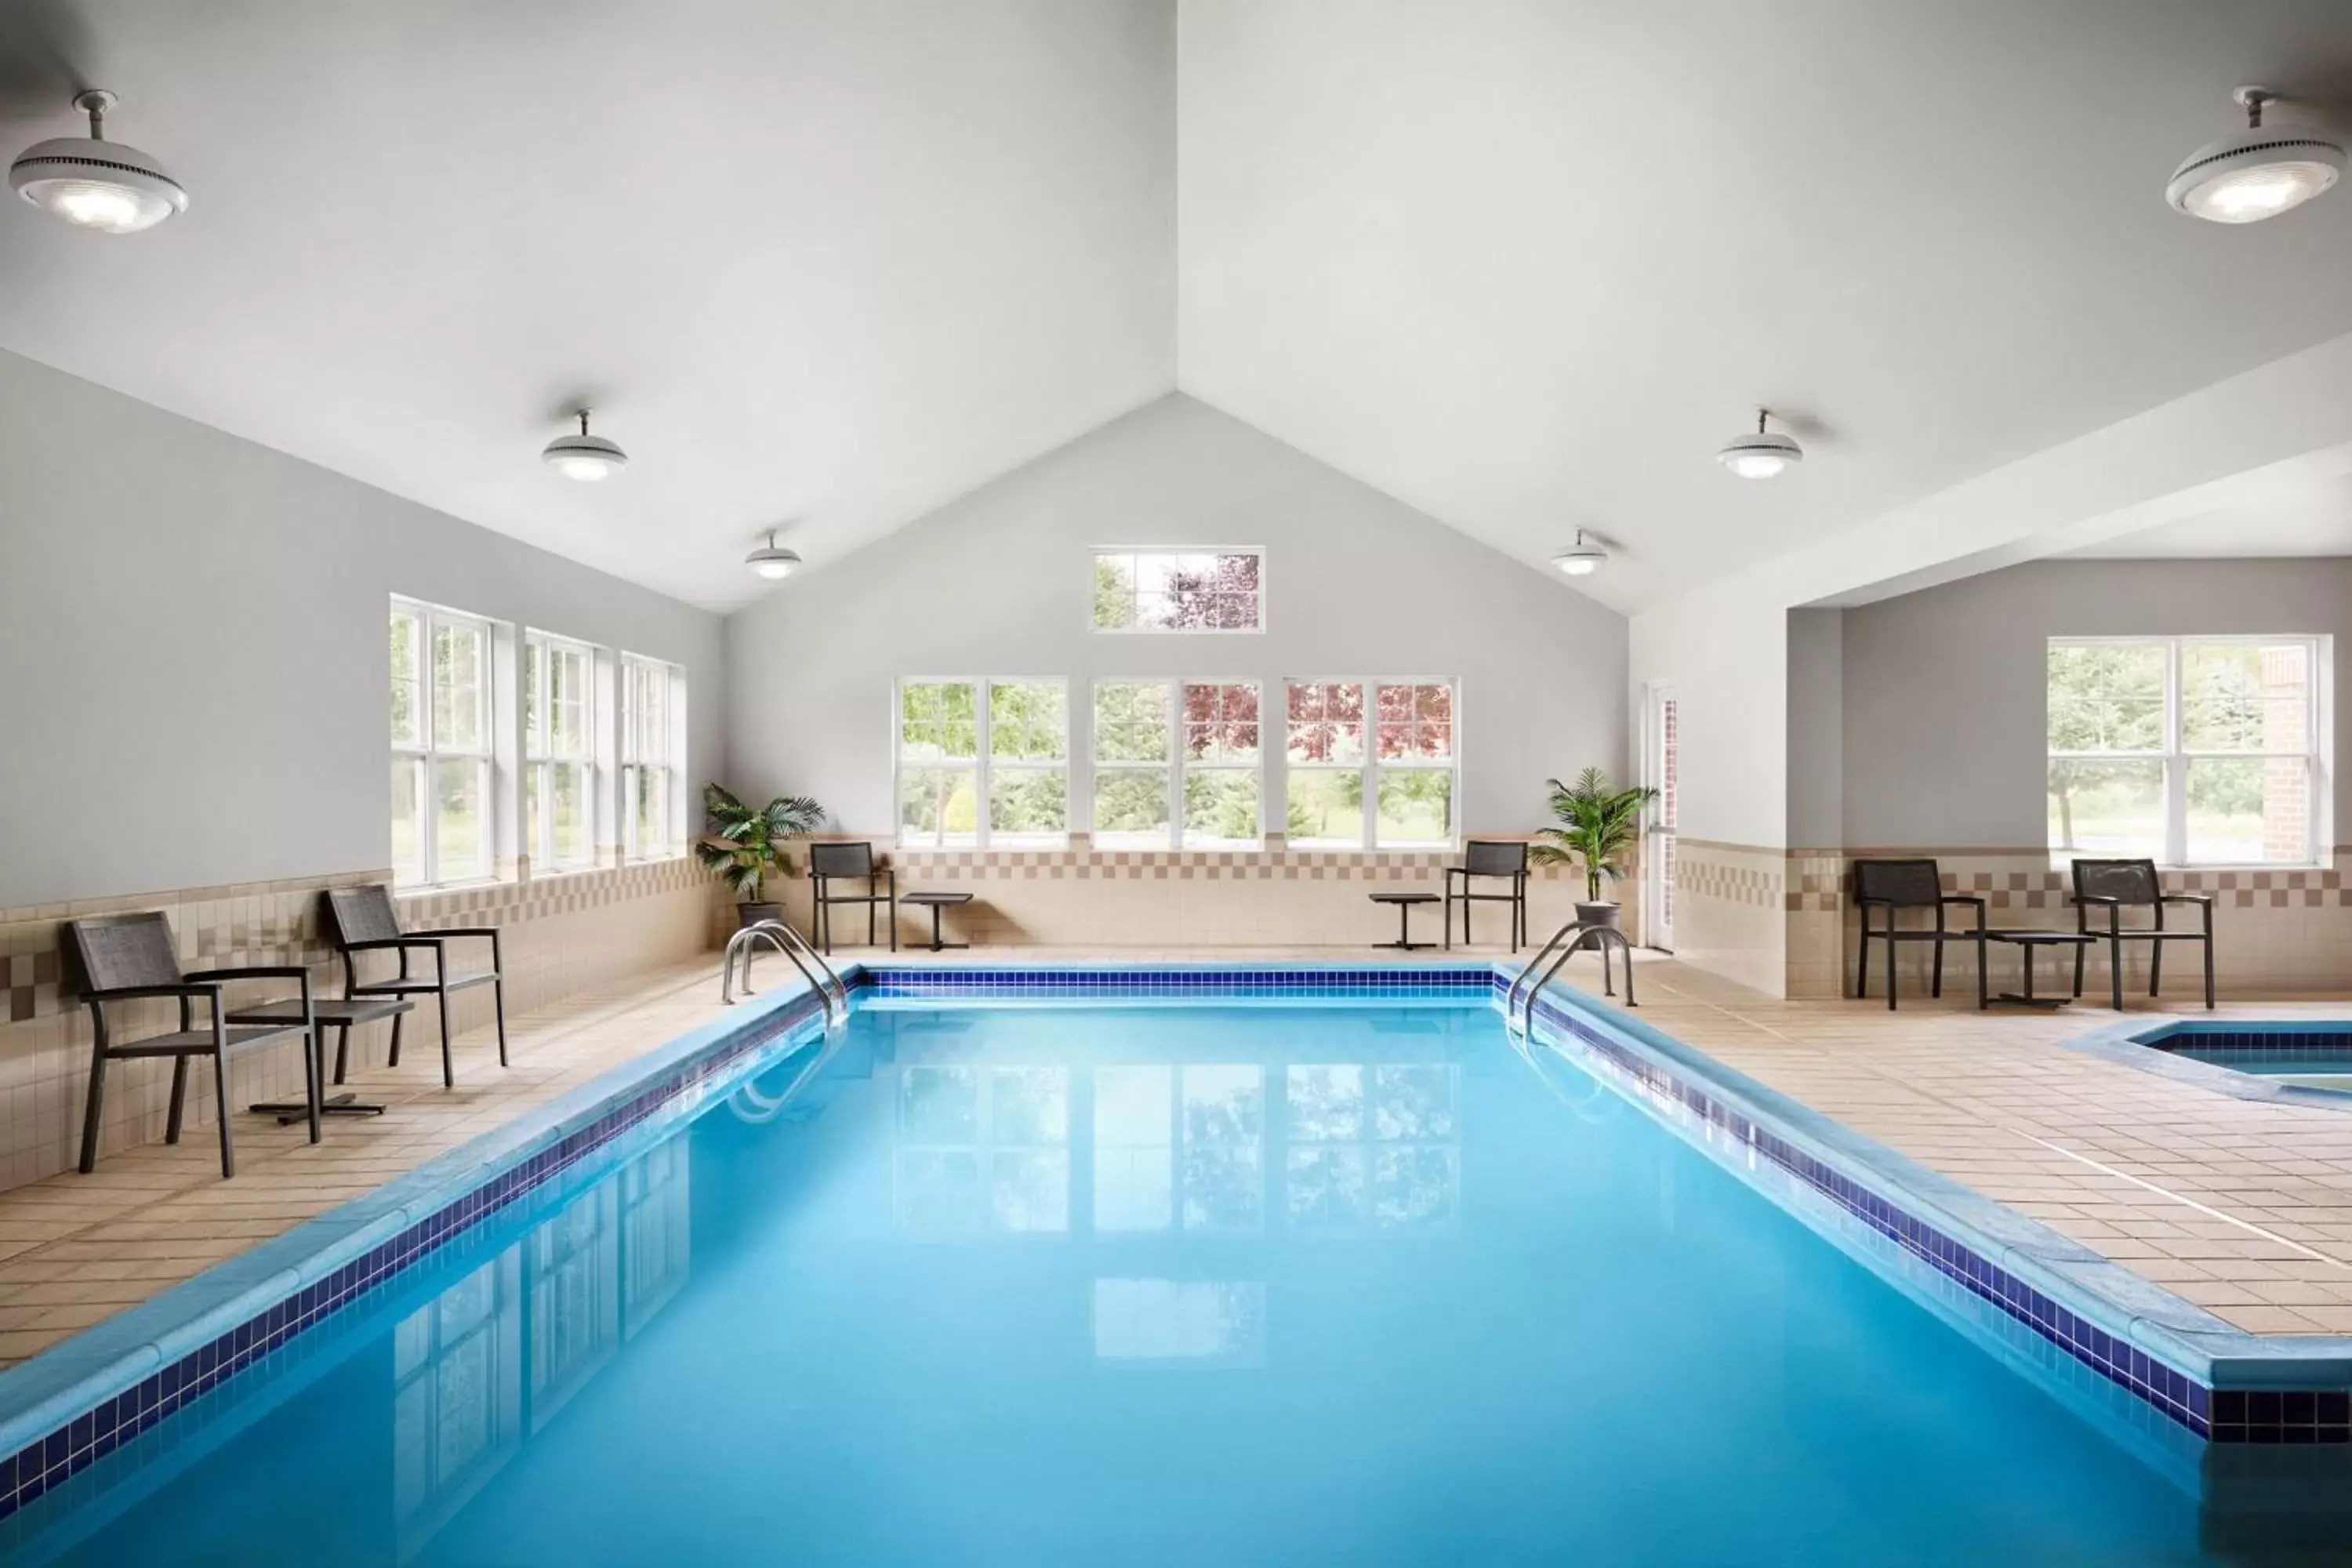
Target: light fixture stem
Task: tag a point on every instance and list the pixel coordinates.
(95, 101)
(1759, 422)
(583, 422)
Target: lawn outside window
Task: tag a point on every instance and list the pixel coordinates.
(442, 757)
(2190, 751)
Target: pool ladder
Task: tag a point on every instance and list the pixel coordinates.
(1573, 938)
(793, 945)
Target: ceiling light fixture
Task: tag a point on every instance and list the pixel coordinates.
(585, 457)
(2258, 173)
(772, 561)
(95, 184)
(1584, 561)
(1762, 455)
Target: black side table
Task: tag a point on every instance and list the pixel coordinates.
(2027, 944)
(936, 902)
(1404, 903)
(337, 1013)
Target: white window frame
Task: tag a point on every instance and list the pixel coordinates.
(661, 751)
(1095, 554)
(2175, 756)
(425, 755)
(1369, 766)
(1176, 770)
(539, 650)
(982, 766)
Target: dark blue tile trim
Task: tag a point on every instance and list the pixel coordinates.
(1059, 983)
(2326, 1041)
(47, 1462)
(2222, 1415)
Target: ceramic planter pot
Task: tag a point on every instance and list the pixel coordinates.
(751, 914)
(1600, 914)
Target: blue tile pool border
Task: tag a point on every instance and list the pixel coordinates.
(83, 1398)
(2216, 1380)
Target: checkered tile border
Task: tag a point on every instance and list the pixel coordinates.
(1824, 884)
(1740, 877)
(1080, 863)
(2221, 1416)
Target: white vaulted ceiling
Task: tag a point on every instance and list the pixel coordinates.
(1524, 264)
(1521, 263)
(835, 261)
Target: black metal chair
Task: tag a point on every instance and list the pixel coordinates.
(119, 958)
(850, 863)
(2118, 885)
(362, 920)
(1894, 885)
(1503, 859)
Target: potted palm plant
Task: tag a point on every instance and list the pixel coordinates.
(1598, 824)
(744, 844)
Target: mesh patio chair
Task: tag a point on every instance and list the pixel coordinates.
(362, 920)
(850, 863)
(1502, 859)
(110, 958)
(1894, 885)
(2119, 884)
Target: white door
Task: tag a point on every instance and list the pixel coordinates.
(1660, 771)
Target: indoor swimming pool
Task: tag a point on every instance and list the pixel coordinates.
(1363, 1282)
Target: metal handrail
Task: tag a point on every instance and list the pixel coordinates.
(792, 945)
(1580, 934)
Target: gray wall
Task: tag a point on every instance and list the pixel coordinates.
(192, 628)
(1816, 729)
(997, 584)
(1944, 689)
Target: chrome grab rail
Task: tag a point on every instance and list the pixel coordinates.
(793, 945)
(1569, 939)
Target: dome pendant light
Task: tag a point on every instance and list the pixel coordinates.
(95, 184)
(771, 559)
(1761, 456)
(1584, 561)
(588, 459)
(2257, 174)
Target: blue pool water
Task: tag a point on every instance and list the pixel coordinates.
(1219, 1285)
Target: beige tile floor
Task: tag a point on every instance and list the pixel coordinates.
(2243, 1208)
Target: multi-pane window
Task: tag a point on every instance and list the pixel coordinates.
(1179, 591)
(982, 762)
(2192, 751)
(1412, 769)
(1219, 758)
(559, 751)
(441, 752)
(1326, 749)
(1158, 742)
(1027, 759)
(650, 820)
(1135, 755)
(1396, 791)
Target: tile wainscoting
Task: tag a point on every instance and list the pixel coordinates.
(2275, 933)
(1078, 895)
(560, 934)
(1727, 911)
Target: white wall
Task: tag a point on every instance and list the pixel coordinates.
(1945, 688)
(1816, 730)
(998, 584)
(1726, 652)
(193, 631)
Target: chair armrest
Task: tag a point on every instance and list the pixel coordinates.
(459, 930)
(266, 971)
(2205, 900)
(126, 993)
(2095, 899)
(1961, 898)
(385, 943)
